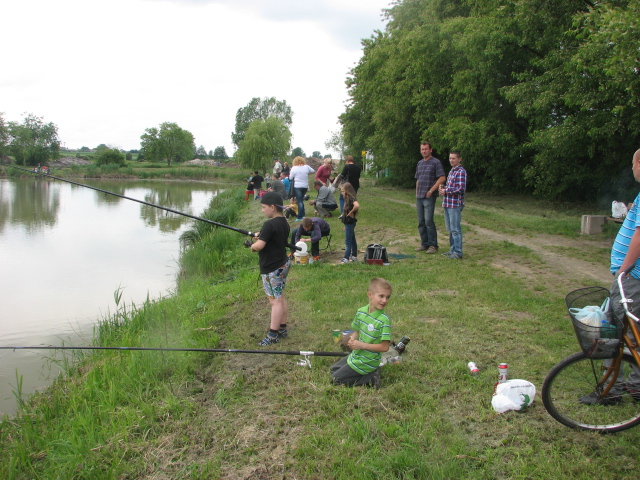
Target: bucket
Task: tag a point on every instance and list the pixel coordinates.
(301, 257)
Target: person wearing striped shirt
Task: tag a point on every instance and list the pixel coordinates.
(370, 339)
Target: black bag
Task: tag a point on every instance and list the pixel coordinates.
(376, 253)
(292, 192)
(347, 220)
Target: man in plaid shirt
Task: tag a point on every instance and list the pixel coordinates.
(453, 203)
(429, 176)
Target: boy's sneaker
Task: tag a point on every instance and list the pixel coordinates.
(269, 340)
(344, 260)
(316, 258)
(353, 259)
(283, 333)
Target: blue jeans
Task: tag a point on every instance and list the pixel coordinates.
(426, 226)
(300, 193)
(351, 246)
(452, 223)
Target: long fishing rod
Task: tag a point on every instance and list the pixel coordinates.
(240, 230)
(166, 349)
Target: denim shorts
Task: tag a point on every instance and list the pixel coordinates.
(273, 283)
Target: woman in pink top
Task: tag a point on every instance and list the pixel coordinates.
(324, 172)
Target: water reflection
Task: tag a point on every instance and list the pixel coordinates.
(64, 250)
(33, 204)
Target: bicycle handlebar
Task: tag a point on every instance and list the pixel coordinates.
(624, 300)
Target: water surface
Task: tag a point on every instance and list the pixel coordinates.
(65, 250)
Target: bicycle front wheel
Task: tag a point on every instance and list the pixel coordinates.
(570, 394)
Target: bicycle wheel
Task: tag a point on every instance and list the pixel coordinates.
(571, 382)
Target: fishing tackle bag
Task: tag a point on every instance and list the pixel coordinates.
(376, 254)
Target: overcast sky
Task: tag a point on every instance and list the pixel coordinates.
(104, 71)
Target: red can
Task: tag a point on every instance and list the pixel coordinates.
(503, 372)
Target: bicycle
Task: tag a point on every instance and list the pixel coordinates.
(596, 389)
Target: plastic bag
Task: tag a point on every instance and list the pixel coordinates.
(618, 209)
(513, 395)
(591, 315)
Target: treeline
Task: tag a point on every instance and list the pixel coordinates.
(540, 96)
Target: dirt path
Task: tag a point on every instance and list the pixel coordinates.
(555, 267)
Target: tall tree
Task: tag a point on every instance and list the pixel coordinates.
(33, 141)
(298, 152)
(4, 137)
(220, 153)
(201, 153)
(169, 142)
(260, 109)
(264, 141)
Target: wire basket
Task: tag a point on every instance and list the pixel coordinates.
(596, 340)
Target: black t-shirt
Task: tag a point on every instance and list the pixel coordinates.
(274, 254)
(257, 181)
(351, 173)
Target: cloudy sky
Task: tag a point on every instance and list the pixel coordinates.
(104, 71)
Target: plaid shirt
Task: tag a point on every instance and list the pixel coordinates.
(454, 190)
(427, 172)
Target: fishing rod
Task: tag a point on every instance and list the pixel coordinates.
(239, 230)
(168, 349)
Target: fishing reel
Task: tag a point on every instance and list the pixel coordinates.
(247, 243)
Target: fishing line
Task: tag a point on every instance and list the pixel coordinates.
(201, 350)
(239, 230)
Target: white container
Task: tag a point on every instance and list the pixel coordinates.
(301, 257)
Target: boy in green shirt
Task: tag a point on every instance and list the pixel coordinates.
(371, 338)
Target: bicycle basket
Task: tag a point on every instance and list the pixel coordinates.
(587, 309)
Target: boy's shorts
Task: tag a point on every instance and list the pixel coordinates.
(273, 283)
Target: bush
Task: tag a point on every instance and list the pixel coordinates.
(110, 156)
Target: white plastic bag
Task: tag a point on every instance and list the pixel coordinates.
(618, 209)
(590, 315)
(513, 395)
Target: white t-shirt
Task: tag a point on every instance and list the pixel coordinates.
(299, 175)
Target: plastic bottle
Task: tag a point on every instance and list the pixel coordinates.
(473, 368)
(392, 356)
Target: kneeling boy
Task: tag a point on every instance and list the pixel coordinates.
(370, 339)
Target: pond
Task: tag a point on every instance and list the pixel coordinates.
(65, 250)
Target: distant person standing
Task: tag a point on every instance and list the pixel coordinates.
(285, 169)
(429, 177)
(351, 174)
(277, 167)
(324, 171)
(299, 176)
(256, 182)
(453, 203)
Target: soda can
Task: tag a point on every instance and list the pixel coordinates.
(473, 368)
(503, 372)
(336, 335)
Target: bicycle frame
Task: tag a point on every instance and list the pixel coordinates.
(630, 323)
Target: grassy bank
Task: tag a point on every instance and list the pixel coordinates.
(193, 415)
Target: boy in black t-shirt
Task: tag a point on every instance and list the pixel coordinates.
(274, 264)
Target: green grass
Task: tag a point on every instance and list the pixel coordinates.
(203, 416)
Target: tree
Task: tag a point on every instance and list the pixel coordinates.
(110, 156)
(85, 149)
(260, 109)
(33, 141)
(316, 154)
(337, 143)
(170, 142)
(4, 137)
(297, 152)
(264, 141)
(220, 154)
(201, 153)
